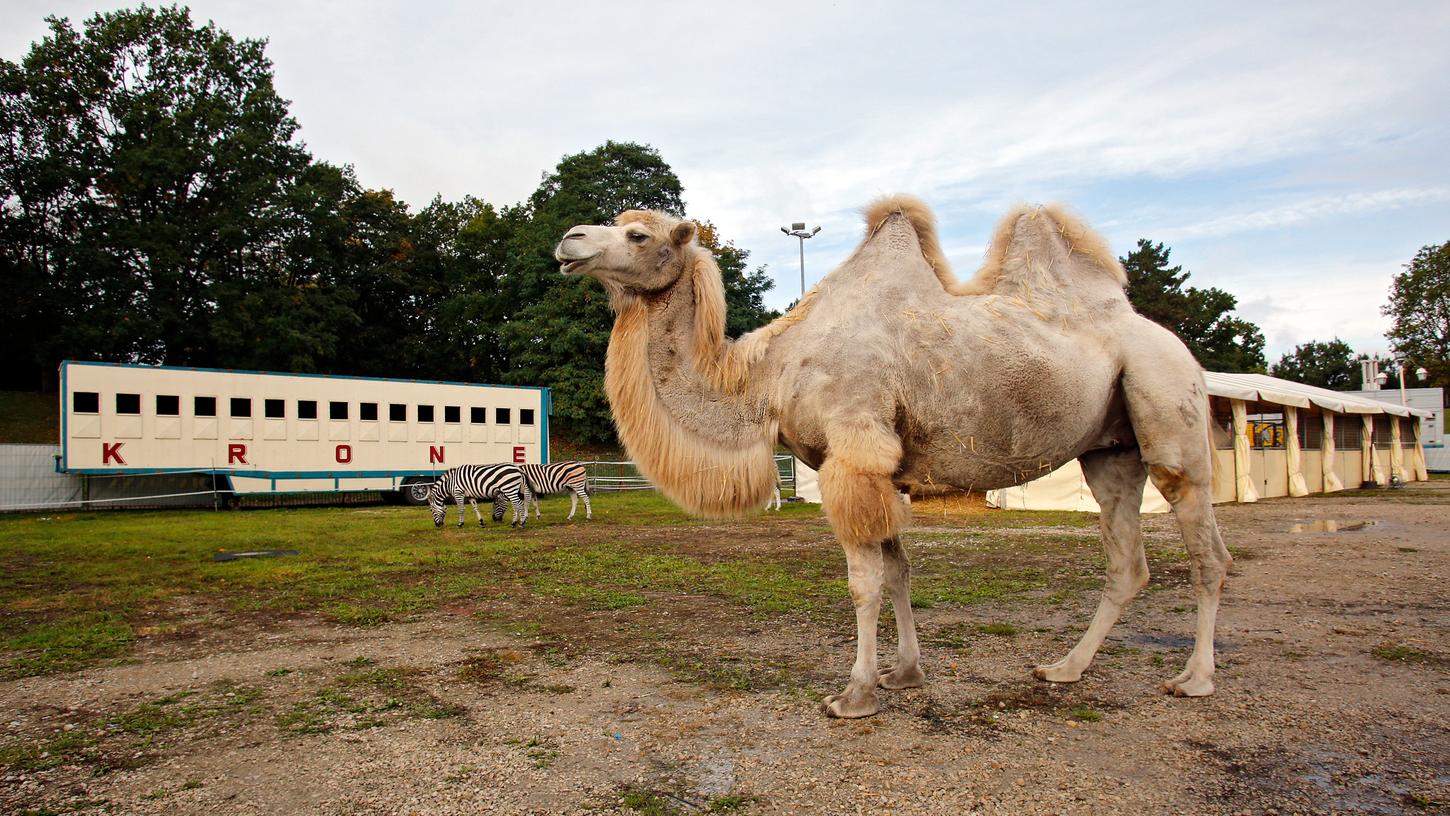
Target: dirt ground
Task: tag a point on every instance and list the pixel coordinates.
(1333, 697)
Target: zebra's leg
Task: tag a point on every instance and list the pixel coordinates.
(573, 503)
(476, 511)
(521, 510)
(458, 497)
(588, 511)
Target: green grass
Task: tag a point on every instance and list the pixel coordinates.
(79, 588)
(29, 417)
(1086, 714)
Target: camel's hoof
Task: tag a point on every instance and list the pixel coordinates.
(851, 706)
(1057, 673)
(1188, 686)
(901, 677)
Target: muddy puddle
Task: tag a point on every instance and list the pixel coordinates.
(1330, 526)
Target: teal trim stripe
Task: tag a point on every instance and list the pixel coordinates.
(259, 474)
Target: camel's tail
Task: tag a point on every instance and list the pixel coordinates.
(1034, 247)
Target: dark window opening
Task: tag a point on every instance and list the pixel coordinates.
(501, 416)
(337, 410)
(425, 413)
(367, 411)
(85, 402)
(1348, 431)
(128, 403)
(478, 416)
(242, 407)
(526, 416)
(274, 409)
(452, 413)
(1311, 432)
(307, 409)
(203, 406)
(168, 405)
(397, 413)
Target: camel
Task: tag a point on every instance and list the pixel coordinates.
(892, 372)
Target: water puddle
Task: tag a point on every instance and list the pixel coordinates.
(1330, 526)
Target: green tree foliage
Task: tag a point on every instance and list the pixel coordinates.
(1420, 307)
(1202, 318)
(155, 206)
(146, 162)
(1328, 365)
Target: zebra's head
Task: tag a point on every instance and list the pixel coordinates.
(437, 502)
(498, 507)
(644, 251)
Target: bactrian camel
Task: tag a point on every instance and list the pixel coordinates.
(891, 372)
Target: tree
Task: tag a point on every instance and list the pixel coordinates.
(1420, 307)
(1328, 365)
(144, 162)
(744, 291)
(1202, 318)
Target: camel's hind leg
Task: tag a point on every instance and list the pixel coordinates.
(906, 673)
(1116, 479)
(1169, 411)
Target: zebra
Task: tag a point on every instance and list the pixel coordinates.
(497, 482)
(559, 477)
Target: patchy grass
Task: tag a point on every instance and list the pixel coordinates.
(1405, 653)
(999, 629)
(81, 588)
(1084, 714)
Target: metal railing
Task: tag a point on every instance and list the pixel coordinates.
(623, 475)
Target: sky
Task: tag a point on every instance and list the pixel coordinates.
(1293, 154)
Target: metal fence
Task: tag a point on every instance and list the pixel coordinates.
(623, 475)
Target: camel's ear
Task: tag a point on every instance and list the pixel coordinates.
(683, 233)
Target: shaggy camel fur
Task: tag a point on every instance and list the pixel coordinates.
(891, 372)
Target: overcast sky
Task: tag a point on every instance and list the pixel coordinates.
(1291, 153)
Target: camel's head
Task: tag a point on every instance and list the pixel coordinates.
(644, 251)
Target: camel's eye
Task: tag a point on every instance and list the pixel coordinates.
(638, 237)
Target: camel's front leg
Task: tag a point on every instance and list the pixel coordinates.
(907, 671)
(864, 511)
(863, 565)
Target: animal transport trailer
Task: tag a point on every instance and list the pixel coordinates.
(268, 432)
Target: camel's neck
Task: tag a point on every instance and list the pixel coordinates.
(709, 451)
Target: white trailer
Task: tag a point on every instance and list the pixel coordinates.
(268, 432)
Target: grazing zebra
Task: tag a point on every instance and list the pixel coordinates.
(559, 477)
(497, 482)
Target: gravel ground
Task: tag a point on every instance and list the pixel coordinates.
(1333, 697)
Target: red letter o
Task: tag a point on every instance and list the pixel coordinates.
(343, 454)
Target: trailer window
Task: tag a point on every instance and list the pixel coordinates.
(526, 416)
(274, 409)
(307, 409)
(128, 403)
(425, 413)
(167, 405)
(85, 402)
(337, 410)
(367, 411)
(397, 412)
(478, 416)
(501, 416)
(452, 413)
(241, 406)
(203, 406)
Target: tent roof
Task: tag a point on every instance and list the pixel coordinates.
(1260, 387)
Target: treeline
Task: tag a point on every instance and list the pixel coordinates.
(158, 207)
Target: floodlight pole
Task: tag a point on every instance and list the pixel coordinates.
(798, 230)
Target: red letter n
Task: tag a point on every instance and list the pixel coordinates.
(435, 455)
(236, 454)
(111, 451)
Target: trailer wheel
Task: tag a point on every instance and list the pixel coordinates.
(414, 491)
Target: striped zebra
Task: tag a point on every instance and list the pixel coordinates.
(559, 477)
(500, 483)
